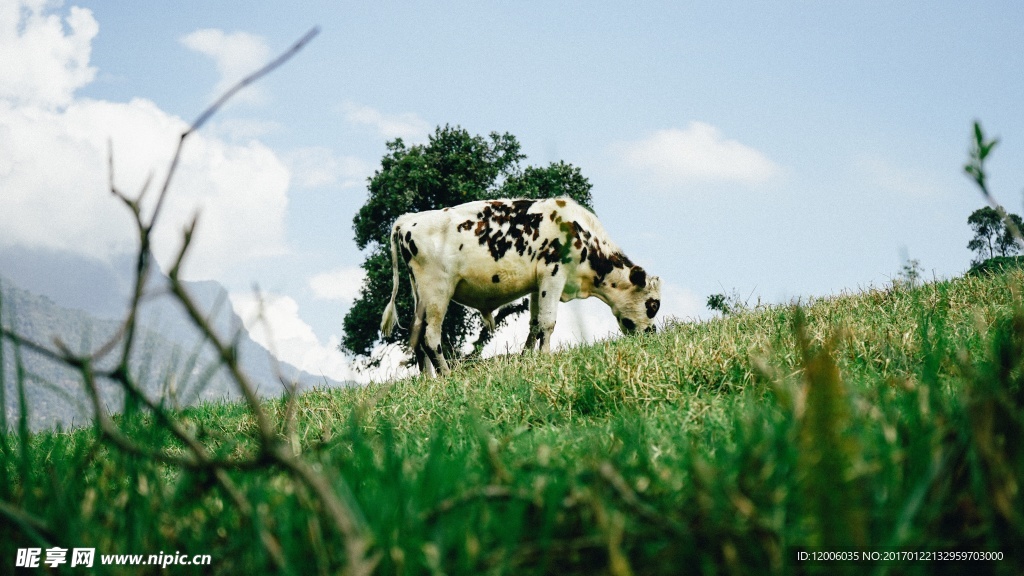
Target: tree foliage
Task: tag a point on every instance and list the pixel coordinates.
(993, 233)
(452, 168)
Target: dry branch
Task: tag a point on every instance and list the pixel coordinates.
(271, 451)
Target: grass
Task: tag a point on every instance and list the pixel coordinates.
(888, 419)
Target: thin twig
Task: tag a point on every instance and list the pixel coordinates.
(271, 451)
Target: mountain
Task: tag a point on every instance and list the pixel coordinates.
(71, 280)
(48, 294)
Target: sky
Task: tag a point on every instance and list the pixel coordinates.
(777, 150)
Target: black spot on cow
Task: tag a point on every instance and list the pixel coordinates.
(408, 236)
(460, 246)
(504, 225)
(602, 264)
(553, 252)
(638, 276)
(396, 240)
(583, 255)
(467, 226)
(543, 293)
(614, 285)
(413, 223)
(628, 324)
(412, 246)
(555, 271)
(495, 279)
(653, 304)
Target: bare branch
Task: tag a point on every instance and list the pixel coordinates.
(271, 451)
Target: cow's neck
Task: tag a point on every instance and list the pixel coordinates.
(610, 289)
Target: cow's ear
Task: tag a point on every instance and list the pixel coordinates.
(638, 276)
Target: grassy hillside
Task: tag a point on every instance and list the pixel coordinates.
(885, 420)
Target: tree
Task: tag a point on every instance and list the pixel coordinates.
(993, 233)
(453, 167)
(910, 274)
(1008, 243)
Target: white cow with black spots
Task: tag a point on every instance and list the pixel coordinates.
(488, 253)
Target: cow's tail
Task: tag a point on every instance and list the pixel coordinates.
(390, 316)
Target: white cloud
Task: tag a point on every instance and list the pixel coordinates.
(407, 126)
(276, 325)
(393, 365)
(236, 55)
(53, 168)
(54, 178)
(316, 167)
(341, 284)
(579, 321)
(273, 321)
(680, 303)
(40, 65)
(698, 154)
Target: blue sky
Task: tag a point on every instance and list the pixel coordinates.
(780, 149)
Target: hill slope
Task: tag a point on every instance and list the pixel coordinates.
(882, 421)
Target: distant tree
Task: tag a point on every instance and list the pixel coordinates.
(719, 303)
(993, 233)
(453, 167)
(910, 273)
(1008, 243)
(987, 224)
(729, 304)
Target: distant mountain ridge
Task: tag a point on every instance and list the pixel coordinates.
(47, 294)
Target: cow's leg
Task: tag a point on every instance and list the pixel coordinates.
(435, 307)
(487, 317)
(547, 310)
(432, 337)
(417, 332)
(426, 367)
(531, 339)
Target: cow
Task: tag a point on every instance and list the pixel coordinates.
(488, 253)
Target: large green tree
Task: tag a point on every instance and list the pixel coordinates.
(993, 233)
(453, 167)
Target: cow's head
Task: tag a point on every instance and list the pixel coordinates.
(637, 302)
